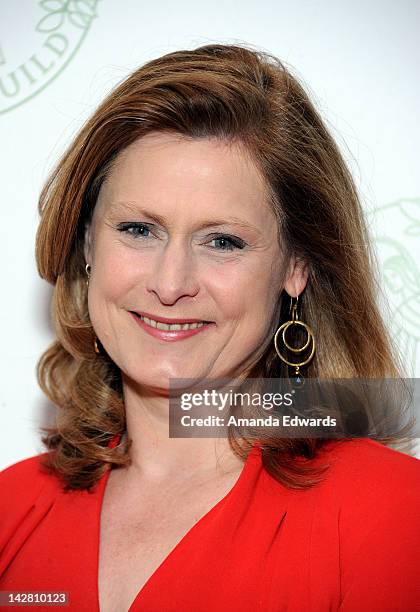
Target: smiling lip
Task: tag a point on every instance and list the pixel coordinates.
(170, 335)
(169, 321)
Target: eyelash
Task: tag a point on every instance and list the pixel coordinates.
(234, 242)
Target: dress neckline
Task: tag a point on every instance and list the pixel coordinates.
(253, 456)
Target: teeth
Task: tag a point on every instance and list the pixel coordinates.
(162, 325)
(149, 321)
(167, 327)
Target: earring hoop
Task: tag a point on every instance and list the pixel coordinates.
(294, 321)
(88, 269)
(95, 345)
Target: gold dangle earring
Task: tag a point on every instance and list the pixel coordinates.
(298, 378)
(95, 343)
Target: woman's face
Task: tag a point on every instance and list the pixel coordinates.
(182, 230)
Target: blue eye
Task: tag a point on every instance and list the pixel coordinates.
(136, 230)
(228, 243)
(141, 230)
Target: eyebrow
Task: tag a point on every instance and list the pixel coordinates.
(132, 208)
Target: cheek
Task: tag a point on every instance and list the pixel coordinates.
(245, 293)
(114, 285)
(110, 280)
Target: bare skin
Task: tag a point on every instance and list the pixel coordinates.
(140, 527)
(178, 268)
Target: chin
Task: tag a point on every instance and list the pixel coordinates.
(159, 378)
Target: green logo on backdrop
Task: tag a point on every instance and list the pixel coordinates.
(397, 233)
(36, 47)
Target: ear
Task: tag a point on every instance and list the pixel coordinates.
(297, 276)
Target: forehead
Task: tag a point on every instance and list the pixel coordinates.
(166, 170)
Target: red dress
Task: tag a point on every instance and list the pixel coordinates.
(349, 544)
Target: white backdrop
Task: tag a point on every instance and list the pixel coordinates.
(58, 58)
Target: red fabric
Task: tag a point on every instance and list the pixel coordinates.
(349, 544)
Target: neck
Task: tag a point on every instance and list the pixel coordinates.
(156, 456)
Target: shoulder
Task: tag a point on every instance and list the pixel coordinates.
(370, 454)
(372, 493)
(368, 480)
(368, 466)
(24, 474)
(21, 484)
(366, 488)
(376, 494)
(27, 491)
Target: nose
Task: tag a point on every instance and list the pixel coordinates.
(173, 275)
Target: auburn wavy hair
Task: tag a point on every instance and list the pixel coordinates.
(233, 93)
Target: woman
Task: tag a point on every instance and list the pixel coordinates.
(201, 207)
